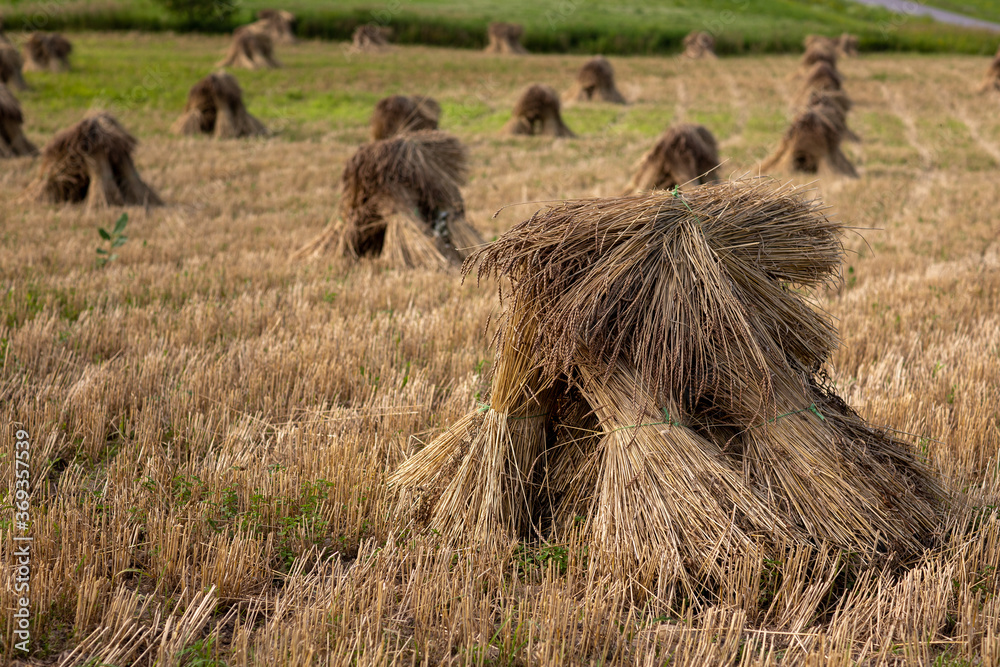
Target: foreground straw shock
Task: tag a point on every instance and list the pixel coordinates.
(657, 386)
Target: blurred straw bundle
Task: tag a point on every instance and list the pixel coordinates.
(401, 201)
(658, 386)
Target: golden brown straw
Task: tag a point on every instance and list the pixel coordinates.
(538, 112)
(47, 52)
(401, 201)
(13, 143)
(11, 67)
(250, 48)
(595, 81)
(399, 113)
(656, 377)
(215, 106)
(699, 44)
(505, 38)
(685, 153)
(278, 24)
(370, 38)
(92, 162)
(811, 145)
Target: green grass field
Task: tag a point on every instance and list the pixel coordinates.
(988, 10)
(629, 27)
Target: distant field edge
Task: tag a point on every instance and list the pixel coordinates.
(890, 34)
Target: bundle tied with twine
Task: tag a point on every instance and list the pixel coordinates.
(13, 143)
(215, 106)
(401, 201)
(657, 385)
(92, 162)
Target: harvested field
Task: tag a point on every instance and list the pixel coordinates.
(212, 423)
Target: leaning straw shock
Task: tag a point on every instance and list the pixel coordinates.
(663, 315)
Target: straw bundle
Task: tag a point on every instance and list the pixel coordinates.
(215, 106)
(505, 38)
(818, 41)
(538, 112)
(685, 153)
(992, 79)
(47, 52)
(13, 143)
(822, 77)
(250, 49)
(656, 376)
(370, 37)
(699, 45)
(401, 201)
(92, 162)
(811, 145)
(276, 24)
(399, 113)
(847, 45)
(834, 104)
(11, 66)
(596, 81)
(819, 52)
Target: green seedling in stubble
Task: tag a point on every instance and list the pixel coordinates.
(115, 238)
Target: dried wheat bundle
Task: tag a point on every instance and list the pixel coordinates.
(92, 162)
(992, 79)
(11, 67)
(370, 38)
(848, 45)
(685, 153)
(657, 377)
(401, 201)
(699, 45)
(399, 113)
(278, 24)
(215, 106)
(47, 52)
(821, 77)
(811, 145)
(250, 48)
(819, 52)
(505, 38)
(595, 81)
(13, 143)
(834, 104)
(537, 112)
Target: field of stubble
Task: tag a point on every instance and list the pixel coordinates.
(212, 421)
